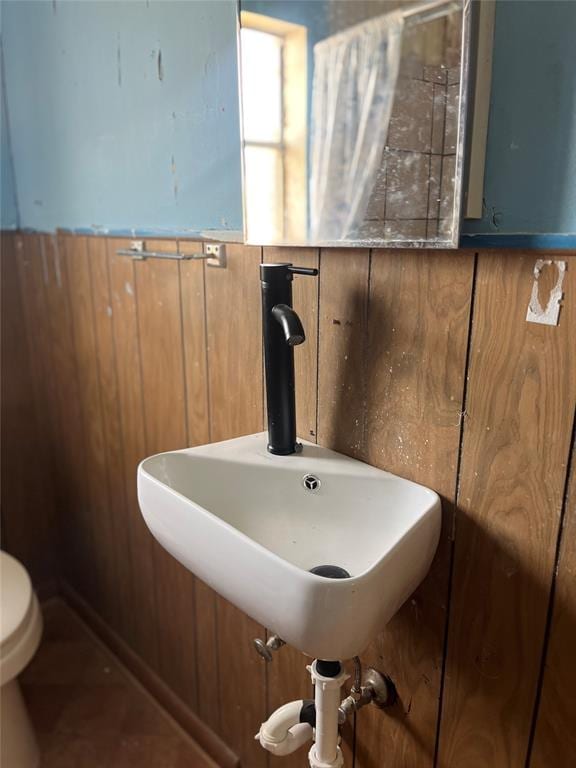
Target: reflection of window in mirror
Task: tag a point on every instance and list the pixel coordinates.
(274, 87)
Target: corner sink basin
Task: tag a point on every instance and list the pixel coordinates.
(253, 525)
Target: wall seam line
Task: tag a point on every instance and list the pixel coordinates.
(213, 595)
(366, 356)
(454, 513)
(183, 349)
(119, 415)
(98, 374)
(552, 593)
(116, 378)
(139, 347)
(187, 433)
(263, 399)
(363, 451)
(62, 256)
(264, 423)
(158, 652)
(206, 354)
(108, 491)
(319, 263)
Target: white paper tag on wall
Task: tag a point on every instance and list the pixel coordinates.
(550, 313)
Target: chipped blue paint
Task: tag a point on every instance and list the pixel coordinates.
(124, 113)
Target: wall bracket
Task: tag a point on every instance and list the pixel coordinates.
(213, 254)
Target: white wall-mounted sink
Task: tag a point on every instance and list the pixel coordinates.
(244, 522)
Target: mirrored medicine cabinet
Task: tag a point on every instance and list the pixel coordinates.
(354, 120)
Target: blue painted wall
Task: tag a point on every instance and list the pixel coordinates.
(530, 183)
(106, 134)
(124, 115)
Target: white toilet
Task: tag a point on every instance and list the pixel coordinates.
(20, 632)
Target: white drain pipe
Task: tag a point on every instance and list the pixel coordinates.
(325, 752)
(283, 732)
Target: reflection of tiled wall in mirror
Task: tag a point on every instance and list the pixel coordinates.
(414, 193)
(343, 15)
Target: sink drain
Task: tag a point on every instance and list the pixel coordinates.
(330, 572)
(311, 482)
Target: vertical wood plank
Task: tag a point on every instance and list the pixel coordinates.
(342, 351)
(98, 510)
(287, 681)
(121, 545)
(26, 506)
(305, 300)
(130, 398)
(235, 376)
(555, 735)
(160, 332)
(516, 442)
(207, 649)
(235, 344)
(198, 420)
(69, 453)
(30, 262)
(194, 341)
(418, 330)
(242, 686)
(33, 278)
(164, 400)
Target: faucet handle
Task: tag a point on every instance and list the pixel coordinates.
(312, 272)
(265, 649)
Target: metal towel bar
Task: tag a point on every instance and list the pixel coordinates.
(214, 255)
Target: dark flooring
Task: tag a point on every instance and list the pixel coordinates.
(89, 713)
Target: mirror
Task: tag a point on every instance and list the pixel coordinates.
(353, 121)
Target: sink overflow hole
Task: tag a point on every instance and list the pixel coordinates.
(311, 482)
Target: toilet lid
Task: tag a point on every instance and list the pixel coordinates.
(15, 595)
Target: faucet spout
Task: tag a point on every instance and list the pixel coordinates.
(290, 324)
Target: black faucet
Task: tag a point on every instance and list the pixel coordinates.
(282, 331)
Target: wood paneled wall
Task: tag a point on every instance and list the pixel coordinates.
(418, 362)
(28, 504)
